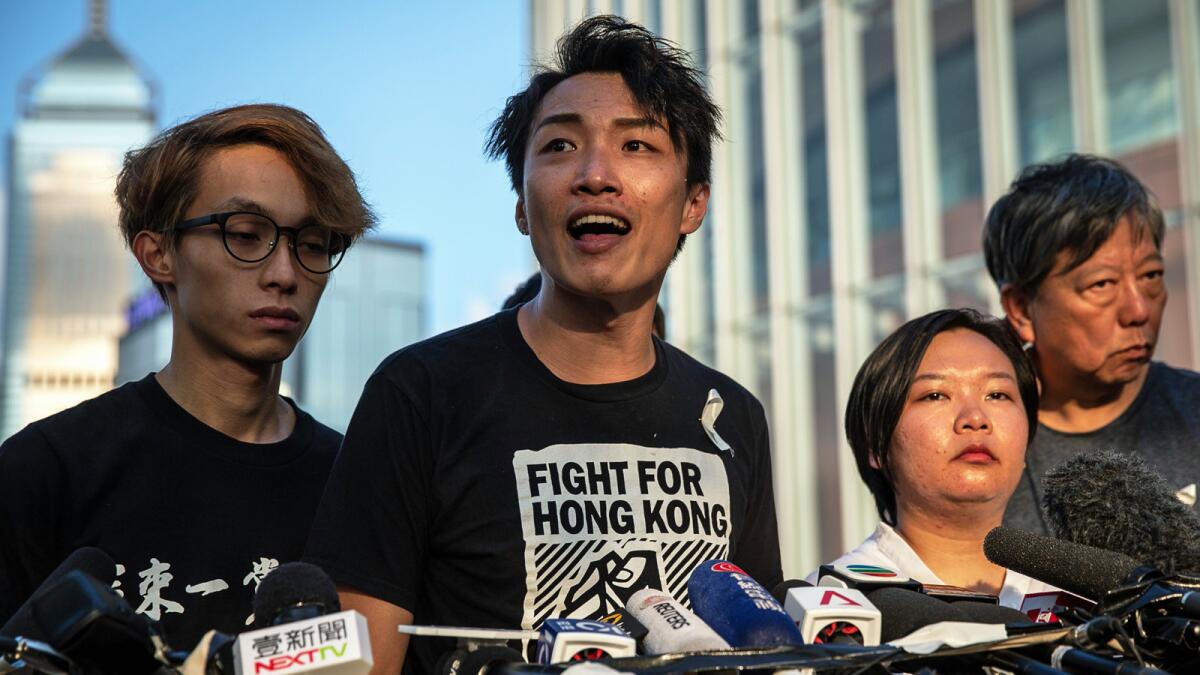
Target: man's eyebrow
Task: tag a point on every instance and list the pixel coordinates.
(251, 206)
(560, 118)
(241, 204)
(1151, 257)
(638, 123)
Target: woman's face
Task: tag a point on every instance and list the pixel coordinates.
(961, 437)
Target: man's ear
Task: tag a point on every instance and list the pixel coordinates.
(150, 249)
(1016, 308)
(873, 461)
(519, 216)
(695, 208)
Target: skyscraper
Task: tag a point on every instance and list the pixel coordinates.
(67, 275)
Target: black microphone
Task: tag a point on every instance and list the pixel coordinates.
(904, 610)
(1086, 571)
(87, 621)
(300, 599)
(294, 591)
(781, 589)
(89, 560)
(1116, 502)
(1162, 614)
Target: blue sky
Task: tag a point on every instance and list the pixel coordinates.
(404, 90)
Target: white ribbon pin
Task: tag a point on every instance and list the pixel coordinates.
(1187, 495)
(708, 419)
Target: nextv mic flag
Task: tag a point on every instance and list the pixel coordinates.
(601, 521)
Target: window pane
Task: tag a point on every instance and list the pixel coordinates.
(960, 168)
(1140, 83)
(1043, 80)
(826, 431)
(883, 149)
(813, 150)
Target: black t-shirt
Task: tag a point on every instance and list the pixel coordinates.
(475, 488)
(192, 517)
(1162, 426)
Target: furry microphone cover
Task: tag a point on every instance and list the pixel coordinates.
(1114, 501)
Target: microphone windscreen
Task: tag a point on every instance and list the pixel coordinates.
(292, 592)
(671, 627)
(985, 612)
(903, 611)
(1116, 502)
(781, 588)
(89, 560)
(1086, 571)
(738, 608)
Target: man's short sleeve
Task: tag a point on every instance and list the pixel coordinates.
(32, 482)
(371, 529)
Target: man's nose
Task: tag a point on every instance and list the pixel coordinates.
(597, 173)
(1135, 306)
(280, 268)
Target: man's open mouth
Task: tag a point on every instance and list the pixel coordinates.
(597, 224)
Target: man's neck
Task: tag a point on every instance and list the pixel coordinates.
(240, 401)
(1080, 407)
(588, 341)
(952, 548)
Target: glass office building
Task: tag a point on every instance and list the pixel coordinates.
(67, 273)
(864, 143)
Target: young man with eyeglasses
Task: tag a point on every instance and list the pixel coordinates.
(199, 479)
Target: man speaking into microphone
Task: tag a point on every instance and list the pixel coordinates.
(555, 458)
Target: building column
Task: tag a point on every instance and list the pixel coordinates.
(733, 300)
(849, 238)
(1185, 47)
(918, 156)
(997, 96)
(794, 454)
(997, 103)
(1085, 44)
(686, 303)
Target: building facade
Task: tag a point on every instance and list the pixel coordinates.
(864, 142)
(66, 271)
(373, 305)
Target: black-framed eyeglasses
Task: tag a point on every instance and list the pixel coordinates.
(252, 237)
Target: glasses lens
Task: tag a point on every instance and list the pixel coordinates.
(249, 236)
(319, 248)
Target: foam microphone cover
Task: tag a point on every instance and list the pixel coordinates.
(89, 560)
(294, 591)
(738, 608)
(1116, 502)
(781, 589)
(984, 612)
(670, 627)
(1086, 571)
(903, 611)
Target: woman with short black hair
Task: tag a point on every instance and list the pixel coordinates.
(939, 418)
